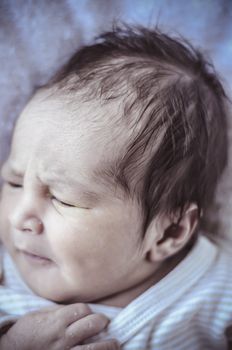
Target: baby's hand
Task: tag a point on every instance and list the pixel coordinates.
(57, 328)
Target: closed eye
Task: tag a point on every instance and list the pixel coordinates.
(65, 204)
(13, 184)
(61, 202)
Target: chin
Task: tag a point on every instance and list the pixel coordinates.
(61, 296)
(56, 295)
(45, 291)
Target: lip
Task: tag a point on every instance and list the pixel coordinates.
(34, 257)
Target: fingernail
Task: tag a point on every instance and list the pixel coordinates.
(105, 321)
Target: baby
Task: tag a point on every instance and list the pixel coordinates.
(111, 168)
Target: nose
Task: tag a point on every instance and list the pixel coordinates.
(31, 225)
(26, 219)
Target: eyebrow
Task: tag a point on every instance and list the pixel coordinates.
(88, 194)
(7, 169)
(85, 193)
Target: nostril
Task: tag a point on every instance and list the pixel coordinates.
(33, 225)
(30, 224)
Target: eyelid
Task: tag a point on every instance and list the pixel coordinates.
(64, 204)
(61, 202)
(9, 177)
(13, 184)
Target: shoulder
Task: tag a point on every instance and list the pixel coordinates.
(218, 276)
(220, 273)
(208, 297)
(214, 290)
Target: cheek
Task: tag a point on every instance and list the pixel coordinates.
(93, 240)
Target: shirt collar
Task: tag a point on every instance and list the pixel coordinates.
(167, 291)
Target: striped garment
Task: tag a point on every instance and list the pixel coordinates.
(188, 309)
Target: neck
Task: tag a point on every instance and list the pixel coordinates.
(125, 297)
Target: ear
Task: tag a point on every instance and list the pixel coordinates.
(165, 237)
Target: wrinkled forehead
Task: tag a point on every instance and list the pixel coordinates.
(56, 132)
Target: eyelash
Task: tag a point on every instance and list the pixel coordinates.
(61, 202)
(12, 184)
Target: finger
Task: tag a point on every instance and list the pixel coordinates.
(85, 328)
(72, 313)
(104, 345)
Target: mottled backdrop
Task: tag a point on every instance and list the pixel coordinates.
(36, 37)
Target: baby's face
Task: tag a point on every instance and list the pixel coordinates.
(71, 236)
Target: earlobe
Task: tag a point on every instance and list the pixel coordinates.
(173, 236)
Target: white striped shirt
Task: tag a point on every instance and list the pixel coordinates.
(188, 309)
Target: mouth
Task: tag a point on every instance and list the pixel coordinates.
(35, 258)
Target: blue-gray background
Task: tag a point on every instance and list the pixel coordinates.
(37, 36)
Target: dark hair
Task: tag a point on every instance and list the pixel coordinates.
(177, 105)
